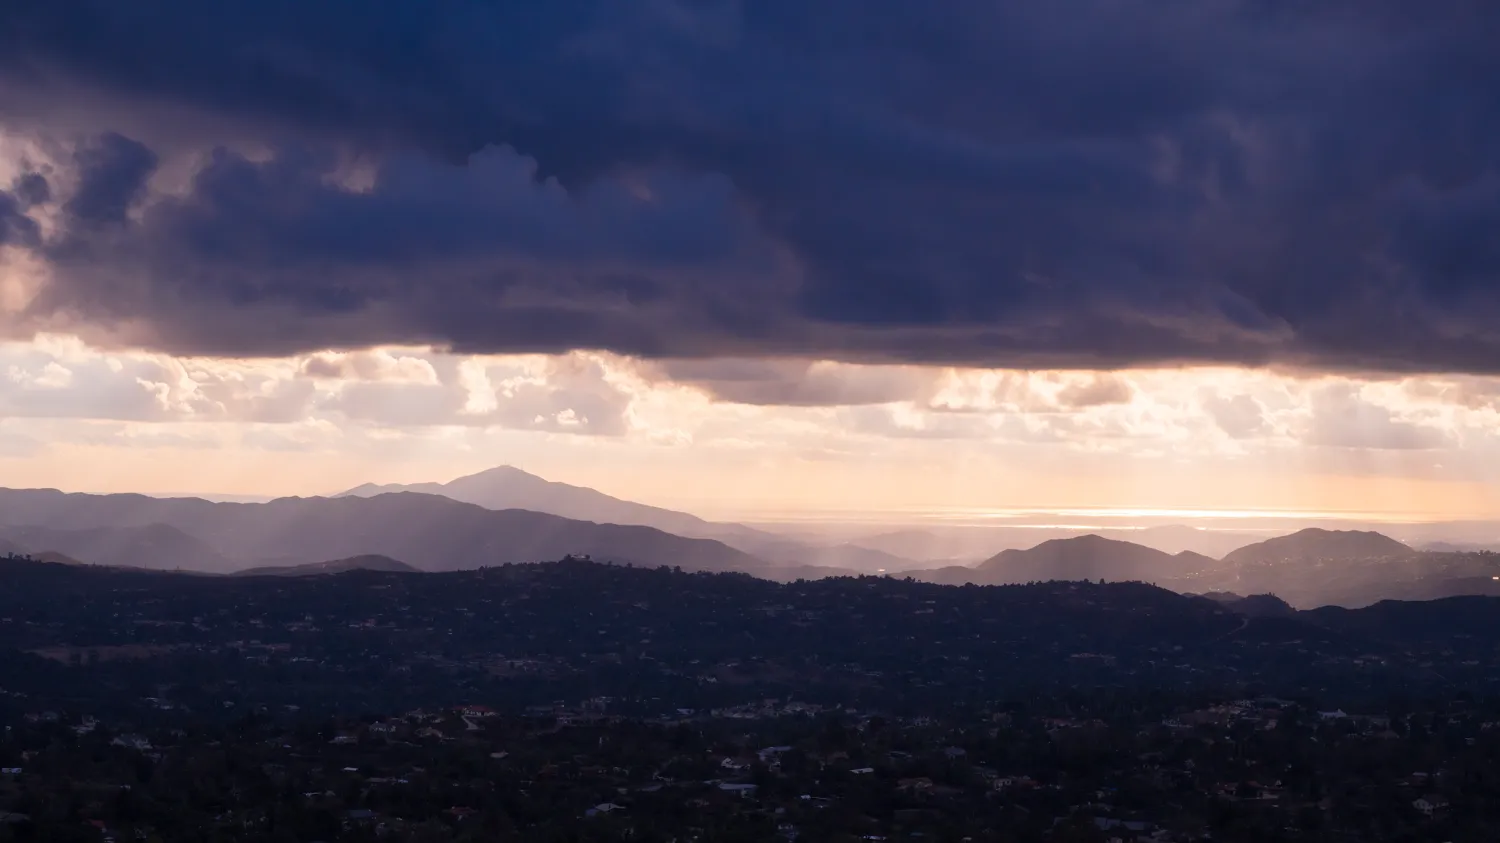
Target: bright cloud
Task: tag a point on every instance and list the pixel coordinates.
(665, 429)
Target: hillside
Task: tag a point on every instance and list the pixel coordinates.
(429, 531)
(1255, 606)
(337, 566)
(1087, 557)
(1473, 618)
(1315, 543)
(1316, 567)
(152, 546)
(507, 487)
(844, 639)
(552, 686)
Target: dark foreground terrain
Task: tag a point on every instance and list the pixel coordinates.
(577, 701)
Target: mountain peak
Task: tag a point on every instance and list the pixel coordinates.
(508, 487)
(1320, 543)
(499, 472)
(1085, 540)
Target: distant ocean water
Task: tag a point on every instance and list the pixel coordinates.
(1093, 518)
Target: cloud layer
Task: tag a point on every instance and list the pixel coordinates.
(779, 406)
(1097, 184)
(748, 435)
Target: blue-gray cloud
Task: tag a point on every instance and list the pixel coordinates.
(1091, 183)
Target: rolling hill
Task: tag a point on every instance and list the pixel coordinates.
(1256, 605)
(1314, 543)
(1314, 567)
(1088, 557)
(369, 562)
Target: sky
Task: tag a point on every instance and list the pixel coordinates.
(759, 257)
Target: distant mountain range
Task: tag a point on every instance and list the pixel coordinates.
(1309, 568)
(507, 487)
(970, 544)
(429, 531)
(508, 515)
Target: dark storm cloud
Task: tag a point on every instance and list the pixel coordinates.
(16, 229)
(1082, 183)
(31, 189)
(112, 176)
(798, 383)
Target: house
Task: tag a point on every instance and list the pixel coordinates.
(1110, 824)
(603, 808)
(770, 752)
(1429, 805)
(136, 742)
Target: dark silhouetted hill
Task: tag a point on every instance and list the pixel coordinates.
(369, 562)
(870, 637)
(1256, 605)
(1472, 618)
